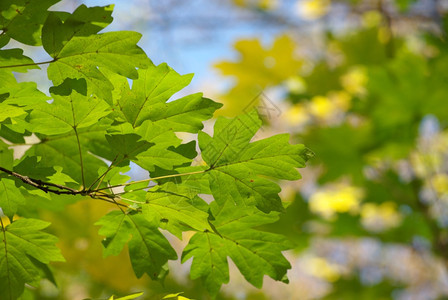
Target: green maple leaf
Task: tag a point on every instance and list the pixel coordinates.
(183, 115)
(149, 250)
(254, 252)
(22, 20)
(157, 134)
(81, 56)
(18, 99)
(6, 155)
(63, 151)
(155, 148)
(163, 153)
(10, 197)
(238, 168)
(165, 158)
(128, 145)
(10, 111)
(14, 60)
(23, 244)
(70, 110)
(60, 27)
(115, 175)
(11, 135)
(149, 94)
(175, 208)
(155, 84)
(193, 179)
(145, 108)
(29, 166)
(23, 94)
(60, 178)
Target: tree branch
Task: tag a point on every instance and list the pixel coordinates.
(101, 178)
(151, 179)
(65, 190)
(41, 185)
(30, 64)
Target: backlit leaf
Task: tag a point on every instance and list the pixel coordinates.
(238, 168)
(255, 253)
(148, 248)
(23, 240)
(81, 56)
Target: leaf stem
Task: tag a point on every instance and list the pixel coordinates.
(152, 179)
(137, 189)
(112, 201)
(103, 175)
(80, 158)
(29, 64)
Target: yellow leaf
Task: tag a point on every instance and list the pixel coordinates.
(381, 217)
(257, 68)
(336, 199)
(372, 18)
(321, 268)
(355, 80)
(313, 9)
(440, 183)
(296, 115)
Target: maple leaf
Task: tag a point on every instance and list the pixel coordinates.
(23, 244)
(81, 56)
(22, 20)
(254, 252)
(176, 208)
(149, 94)
(238, 168)
(70, 110)
(149, 250)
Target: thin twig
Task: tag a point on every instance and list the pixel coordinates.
(137, 189)
(104, 174)
(151, 179)
(112, 201)
(80, 159)
(29, 64)
(44, 186)
(39, 184)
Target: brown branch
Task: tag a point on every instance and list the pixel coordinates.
(151, 179)
(64, 190)
(44, 186)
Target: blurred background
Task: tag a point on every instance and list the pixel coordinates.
(362, 83)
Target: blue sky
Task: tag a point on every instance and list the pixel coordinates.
(190, 38)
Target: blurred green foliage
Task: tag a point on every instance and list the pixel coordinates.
(371, 103)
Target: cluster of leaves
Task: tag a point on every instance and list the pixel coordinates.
(393, 89)
(89, 128)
